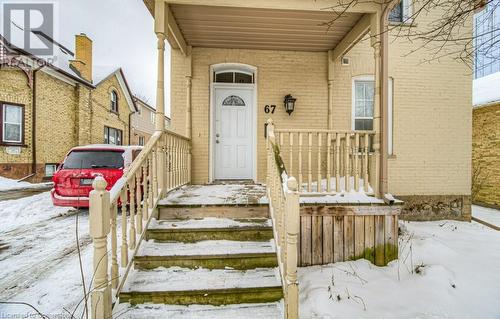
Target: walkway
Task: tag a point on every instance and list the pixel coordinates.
(486, 216)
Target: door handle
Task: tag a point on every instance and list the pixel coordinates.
(217, 135)
(217, 141)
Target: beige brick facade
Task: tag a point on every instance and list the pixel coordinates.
(431, 111)
(102, 114)
(67, 115)
(486, 155)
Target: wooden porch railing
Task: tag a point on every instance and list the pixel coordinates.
(285, 213)
(329, 161)
(163, 165)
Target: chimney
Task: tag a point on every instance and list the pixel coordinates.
(82, 64)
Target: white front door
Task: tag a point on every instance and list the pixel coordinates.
(234, 149)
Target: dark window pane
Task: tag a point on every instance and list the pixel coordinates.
(243, 78)
(396, 15)
(226, 77)
(363, 124)
(94, 159)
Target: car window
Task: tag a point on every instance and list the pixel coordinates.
(94, 159)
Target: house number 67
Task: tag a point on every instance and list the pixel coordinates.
(269, 108)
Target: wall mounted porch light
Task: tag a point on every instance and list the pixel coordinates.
(289, 103)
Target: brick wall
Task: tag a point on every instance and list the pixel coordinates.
(302, 74)
(102, 114)
(486, 155)
(66, 116)
(14, 89)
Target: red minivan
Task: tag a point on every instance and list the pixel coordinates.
(74, 176)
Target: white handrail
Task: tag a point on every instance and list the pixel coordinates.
(283, 195)
(164, 164)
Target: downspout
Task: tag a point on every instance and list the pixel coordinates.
(384, 88)
(33, 125)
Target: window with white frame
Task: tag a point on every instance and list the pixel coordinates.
(401, 13)
(114, 101)
(141, 140)
(112, 136)
(12, 123)
(152, 115)
(363, 106)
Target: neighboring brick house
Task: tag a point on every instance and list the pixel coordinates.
(48, 110)
(226, 84)
(486, 154)
(486, 110)
(143, 123)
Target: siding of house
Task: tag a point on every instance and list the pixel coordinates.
(142, 126)
(486, 155)
(431, 164)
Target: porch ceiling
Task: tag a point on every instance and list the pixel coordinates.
(253, 28)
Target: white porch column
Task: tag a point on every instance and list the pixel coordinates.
(189, 77)
(160, 30)
(380, 43)
(375, 163)
(330, 89)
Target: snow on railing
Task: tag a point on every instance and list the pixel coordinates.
(329, 161)
(283, 195)
(163, 165)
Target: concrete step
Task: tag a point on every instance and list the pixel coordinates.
(181, 286)
(273, 310)
(193, 230)
(229, 210)
(211, 254)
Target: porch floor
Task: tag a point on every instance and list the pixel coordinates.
(217, 194)
(248, 194)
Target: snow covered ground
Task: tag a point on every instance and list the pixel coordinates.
(446, 270)
(38, 256)
(7, 184)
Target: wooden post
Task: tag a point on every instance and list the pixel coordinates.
(337, 162)
(124, 246)
(300, 161)
(356, 162)
(138, 200)
(114, 247)
(319, 188)
(99, 218)
(328, 161)
(309, 162)
(347, 175)
(132, 230)
(375, 169)
(366, 149)
(292, 220)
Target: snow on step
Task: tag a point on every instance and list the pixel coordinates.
(209, 222)
(205, 248)
(183, 279)
(241, 311)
